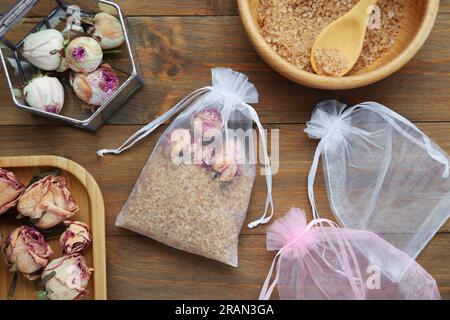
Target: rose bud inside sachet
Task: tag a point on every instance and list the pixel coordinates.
(70, 280)
(108, 30)
(47, 202)
(84, 54)
(203, 155)
(207, 124)
(96, 87)
(26, 251)
(45, 94)
(76, 238)
(10, 190)
(43, 49)
(227, 160)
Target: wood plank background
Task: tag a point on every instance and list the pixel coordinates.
(178, 42)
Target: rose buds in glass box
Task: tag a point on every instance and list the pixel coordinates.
(75, 40)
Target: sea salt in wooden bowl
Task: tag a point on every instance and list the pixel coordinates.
(415, 26)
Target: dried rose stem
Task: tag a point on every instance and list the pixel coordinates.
(13, 285)
(112, 51)
(82, 20)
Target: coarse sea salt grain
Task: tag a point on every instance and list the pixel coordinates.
(330, 61)
(291, 27)
(185, 207)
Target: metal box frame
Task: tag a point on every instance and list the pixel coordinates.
(12, 60)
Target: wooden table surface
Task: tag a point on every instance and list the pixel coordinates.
(178, 42)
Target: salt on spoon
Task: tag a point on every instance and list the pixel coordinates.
(338, 47)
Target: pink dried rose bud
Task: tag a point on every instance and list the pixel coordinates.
(76, 238)
(226, 171)
(45, 94)
(207, 124)
(96, 87)
(26, 251)
(108, 30)
(203, 155)
(84, 54)
(48, 202)
(227, 160)
(70, 280)
(10, 190)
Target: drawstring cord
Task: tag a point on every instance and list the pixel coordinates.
(312, 178)
(267, 171)
(267, 288)
(152, 126)
(184, 103)
(347, 259)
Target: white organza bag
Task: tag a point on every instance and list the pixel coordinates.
(194, 191)
(382, 173)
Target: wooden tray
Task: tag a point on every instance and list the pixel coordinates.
(92, 211)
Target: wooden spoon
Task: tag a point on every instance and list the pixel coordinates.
(338, 47)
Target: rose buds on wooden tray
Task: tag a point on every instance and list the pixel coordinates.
(44, 208)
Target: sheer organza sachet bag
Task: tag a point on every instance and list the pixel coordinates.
(365, 149)
(319, 260)
(382, 173)
(194, 191)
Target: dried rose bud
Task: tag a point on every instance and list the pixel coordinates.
(47, 202)
(108, 8)
(203, 155)
(227, 160)
(226, 171)
(207, 124)
(108, 30)
(64, 66)
(45, 93)
(70, 280)
(42, 49)
(84, 54)
(96, 87)
(10, 190)
(26, 252)
(76, 238)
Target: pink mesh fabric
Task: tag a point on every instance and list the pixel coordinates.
(320, 260)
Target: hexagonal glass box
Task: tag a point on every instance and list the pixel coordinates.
(25, 17)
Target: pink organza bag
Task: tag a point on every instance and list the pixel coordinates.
(320, 260)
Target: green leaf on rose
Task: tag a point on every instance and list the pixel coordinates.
(42, 295)
(45, 279)
(42, 175)
(112, 51)
(12, 287)
(54, 232)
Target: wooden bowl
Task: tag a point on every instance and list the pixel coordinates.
(416, 25)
